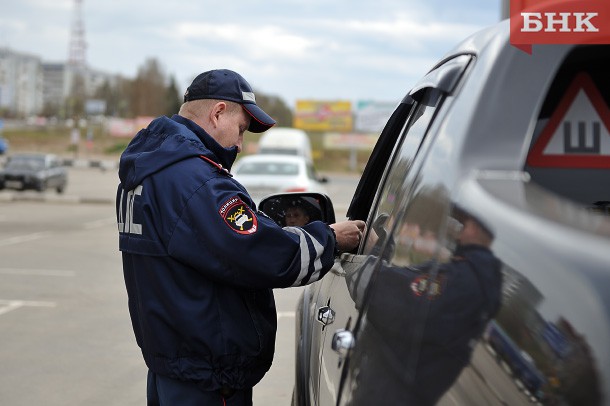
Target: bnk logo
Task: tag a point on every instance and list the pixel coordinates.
(559, 22)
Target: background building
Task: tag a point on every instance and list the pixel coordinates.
(30, 87)
(21, 83)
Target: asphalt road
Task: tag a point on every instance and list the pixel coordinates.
(65, 334)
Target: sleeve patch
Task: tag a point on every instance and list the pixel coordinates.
(238, 216)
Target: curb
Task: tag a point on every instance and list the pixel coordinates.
(52, 198)
(102, 164)
(86, 163)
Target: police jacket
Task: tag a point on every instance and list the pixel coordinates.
(199, 261)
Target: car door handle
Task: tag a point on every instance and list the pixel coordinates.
(326, 315)
(343, 341)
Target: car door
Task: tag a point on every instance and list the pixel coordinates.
(397, 150)
(316, 303)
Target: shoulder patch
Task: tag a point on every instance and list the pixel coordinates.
(423, 285)
(238, 216)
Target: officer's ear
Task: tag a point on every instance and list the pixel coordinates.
(216, 112)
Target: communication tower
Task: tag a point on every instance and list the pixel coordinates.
(78, 46)
(77, 63)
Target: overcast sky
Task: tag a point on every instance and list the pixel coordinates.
(295, 49)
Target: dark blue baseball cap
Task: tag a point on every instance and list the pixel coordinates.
(224, 84)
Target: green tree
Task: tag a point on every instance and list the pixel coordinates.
(276, 108)
(116, 95)
(173, 98)
(148, 90)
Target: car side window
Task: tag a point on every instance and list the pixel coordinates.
(383, 217)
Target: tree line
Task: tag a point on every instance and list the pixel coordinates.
(151, 93)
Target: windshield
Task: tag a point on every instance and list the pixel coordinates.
(268, 168)
(28, 163)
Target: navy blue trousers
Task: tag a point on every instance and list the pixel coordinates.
(163, 391)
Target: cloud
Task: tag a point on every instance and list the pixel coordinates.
(291, 48)
(257, 42)
(405, 29)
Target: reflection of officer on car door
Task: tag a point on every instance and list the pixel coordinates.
(421, 323)
(199, 260)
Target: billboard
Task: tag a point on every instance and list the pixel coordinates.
(95, 106)
(124, 127)
(352, 141)
(317, 115)
(371, 116)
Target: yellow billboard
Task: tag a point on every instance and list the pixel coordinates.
(317, 115)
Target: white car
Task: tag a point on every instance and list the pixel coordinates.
(265, 174)
(285, 141)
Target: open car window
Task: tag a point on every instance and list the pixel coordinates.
(444, 78)
(395, 189)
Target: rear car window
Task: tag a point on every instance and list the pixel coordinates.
(30, 163)
(268, 168)
(570, 149)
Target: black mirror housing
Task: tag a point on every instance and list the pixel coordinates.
(318, 206)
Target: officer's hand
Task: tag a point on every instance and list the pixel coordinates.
(349, 233)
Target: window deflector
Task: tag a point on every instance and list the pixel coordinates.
(443, 78)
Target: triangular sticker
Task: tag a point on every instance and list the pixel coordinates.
(577, 134)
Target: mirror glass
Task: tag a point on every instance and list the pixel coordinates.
(298, 209)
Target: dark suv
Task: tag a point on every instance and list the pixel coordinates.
(484, 276)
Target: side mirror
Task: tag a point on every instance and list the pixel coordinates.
(282, 208)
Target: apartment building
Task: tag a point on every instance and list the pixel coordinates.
(27, 84)
(21, 83)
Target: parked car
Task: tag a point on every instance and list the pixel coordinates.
(262, 175)
(485, 200)
(34, 171)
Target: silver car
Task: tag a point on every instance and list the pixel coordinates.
(484, 275)
(264, 174)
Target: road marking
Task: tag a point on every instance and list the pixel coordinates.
(36, 272)
(285, 314)
(10, 305)
(100, 223)
(23, 238)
